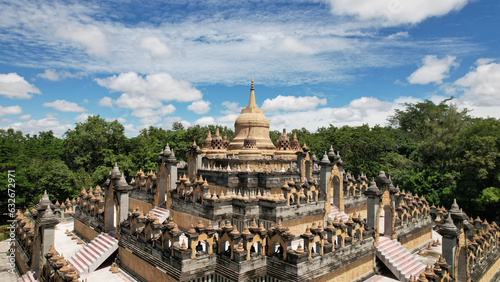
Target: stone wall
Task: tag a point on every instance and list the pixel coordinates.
(185, 220)
(274, 211)
(143, 206)
(142, 196)
(351, 271)
(85, 231)
(416, 239)
(143, 268)
(489, 272)
(21, 259)
(298, 225)
(357, 209)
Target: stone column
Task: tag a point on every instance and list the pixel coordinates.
(450, 235)
(45, 224)
(122, 190)
(374, 196)
(47, 229)
(171, 165)
(324, 174)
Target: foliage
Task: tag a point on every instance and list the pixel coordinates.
(451, 155)
(92, 143)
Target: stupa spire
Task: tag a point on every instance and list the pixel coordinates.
(251, 101)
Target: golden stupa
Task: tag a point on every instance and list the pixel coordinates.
(251, 141)
(251, 124)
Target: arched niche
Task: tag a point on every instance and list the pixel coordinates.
(306, 168)
(191, 167)
(277, 241)
(386, 205)
(162, 185)
(335, 192)
(111, 212)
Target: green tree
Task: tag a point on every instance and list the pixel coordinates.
(93, 142)
(177, 126)
(450, 155)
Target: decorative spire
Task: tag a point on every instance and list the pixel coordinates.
(122, 184)
(299, 249)
(115, 173)
(48, 213)
(454, 207)
(251, 101)
(448, 228)
(373, 189)
(166, 152)
(325, 160)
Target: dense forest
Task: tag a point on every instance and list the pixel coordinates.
(431, 149)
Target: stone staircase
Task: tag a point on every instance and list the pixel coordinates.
(161, 213)
(335, 212)
(398, 259)
(27, 277)
(94, 254)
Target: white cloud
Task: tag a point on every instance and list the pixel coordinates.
(160, 86)
(35, 126)
(90, 36)
(85, 101)
(166, 110)
(106, 102)
(368, 103)
(49, 74)
(136, 101)
(293, 45)
(143, 112)
(148, 112)
(14, 86)
(151, 120)
(12, 110)
(24, 117)
(199, 107)
(365, 110)
(346, 115)
(484, 61)
(205, 121)
(399, 82)
(64, 106)
(154, 47)
(82, 117)
(433, 70)
(120, 120)
(395, 12)
(54, 75)
(481, 85)
(400, 34)
(227, 120)
(231, 107)
(6, 120)
(329, 48)
(292, 103)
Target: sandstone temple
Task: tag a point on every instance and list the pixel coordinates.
(251, 210)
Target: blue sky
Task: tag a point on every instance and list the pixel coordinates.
(314, 63)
